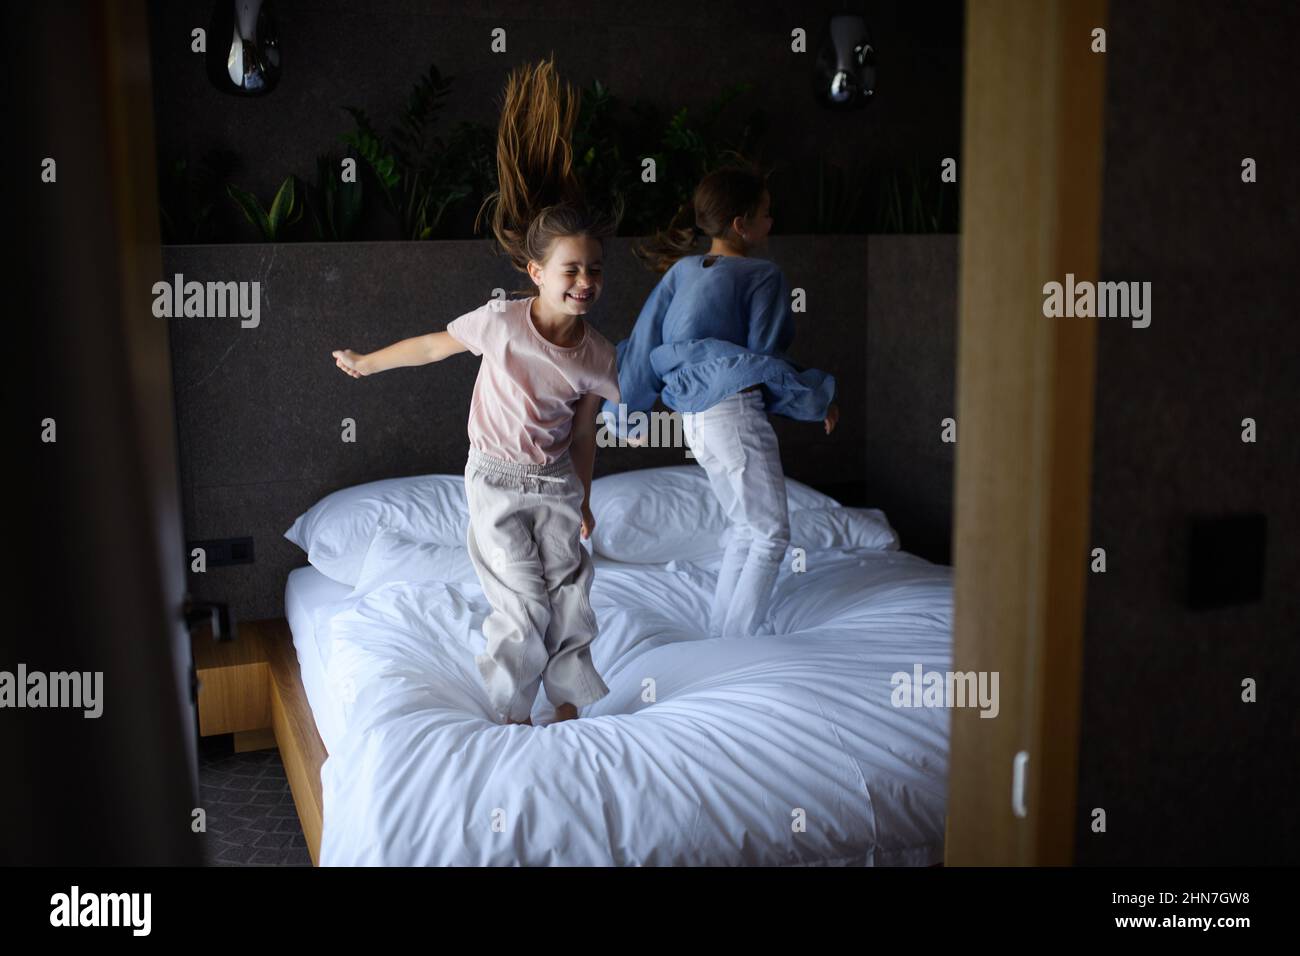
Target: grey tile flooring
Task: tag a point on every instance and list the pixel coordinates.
(251, 816)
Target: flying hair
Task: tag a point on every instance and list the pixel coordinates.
(539, 197)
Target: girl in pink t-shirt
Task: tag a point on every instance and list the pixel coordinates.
(532, 426)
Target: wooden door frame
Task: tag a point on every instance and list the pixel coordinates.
(1031, 211)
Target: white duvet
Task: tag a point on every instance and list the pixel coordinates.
(773, 750)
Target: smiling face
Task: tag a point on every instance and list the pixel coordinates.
(570, 279)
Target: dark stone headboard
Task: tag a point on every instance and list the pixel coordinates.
(259, 410)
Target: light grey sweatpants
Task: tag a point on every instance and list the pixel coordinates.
(524, 527)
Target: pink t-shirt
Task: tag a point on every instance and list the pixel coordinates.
(522, 409)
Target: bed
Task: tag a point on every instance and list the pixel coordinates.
(778, 749)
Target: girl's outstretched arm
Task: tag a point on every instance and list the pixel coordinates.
(418, 350)
(637, 381)
(771, 330)
(582, 448)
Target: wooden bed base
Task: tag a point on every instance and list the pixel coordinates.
(242, 682)
(301, 747)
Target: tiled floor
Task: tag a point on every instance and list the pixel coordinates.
(251, 817)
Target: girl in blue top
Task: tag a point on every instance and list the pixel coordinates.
(711, 342)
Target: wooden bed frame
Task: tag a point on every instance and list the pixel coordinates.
(251, 687)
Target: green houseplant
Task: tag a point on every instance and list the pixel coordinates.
(285, 210)
(419, 174)
(335, 205)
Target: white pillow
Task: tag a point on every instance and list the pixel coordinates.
(655, 515)
(337, 530)
(393, 556)
(816, 529)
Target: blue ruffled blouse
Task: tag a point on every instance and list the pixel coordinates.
(707, 332)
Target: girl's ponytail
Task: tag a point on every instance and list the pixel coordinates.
(539, 195)
(665, 247)
(721, 196)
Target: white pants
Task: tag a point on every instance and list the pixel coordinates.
(524, 527)
(737, 447)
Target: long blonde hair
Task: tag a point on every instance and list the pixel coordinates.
(539, 197)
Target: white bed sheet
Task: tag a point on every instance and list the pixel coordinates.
(306, 592)
(779, 750)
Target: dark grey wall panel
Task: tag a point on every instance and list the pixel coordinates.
(259, 410)
(911, 369)
(1186, 772)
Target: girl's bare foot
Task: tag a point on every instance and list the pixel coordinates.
(565, 712)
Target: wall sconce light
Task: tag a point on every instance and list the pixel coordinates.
(845, 76)
(243, 48)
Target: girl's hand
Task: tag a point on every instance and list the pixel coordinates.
(588, 521)
(832, 416)
(349, 361)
